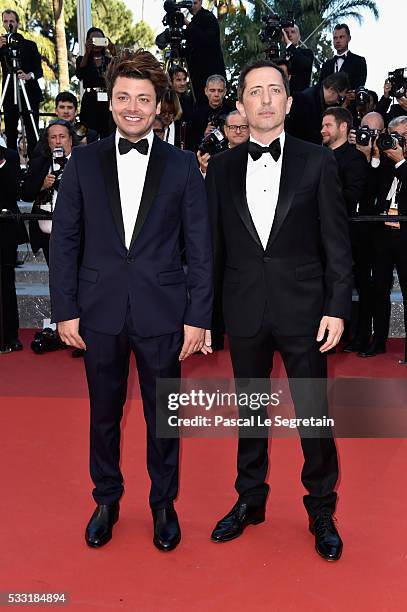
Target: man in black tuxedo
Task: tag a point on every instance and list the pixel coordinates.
(117, 282)
(300, 58)
(12, 233)
(281, 244)
(203, 49)
(354, 65)
(30, 71)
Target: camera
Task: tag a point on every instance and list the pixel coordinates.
(58, 162)
(217, 120)
(272, 30)
(46, 341)
(362, 96)
(214, 142)
(174, 34)
(398, 80)
(365, 136)
(100, 41)
(13, 43)
(385, 142)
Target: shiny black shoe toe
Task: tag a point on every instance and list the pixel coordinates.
(99, 529)
(233, 524)
(16, 345)
(376, 347)
(167, 532)
(328, 543)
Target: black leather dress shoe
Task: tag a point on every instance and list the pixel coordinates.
(233, 524)
(328, 543)
(16, 344)
(356, 345)
(376, 347)
(167, 533)
(99, 529)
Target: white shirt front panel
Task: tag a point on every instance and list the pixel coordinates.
(131, 173)
(262, 189)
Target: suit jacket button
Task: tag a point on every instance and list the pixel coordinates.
(266, 259)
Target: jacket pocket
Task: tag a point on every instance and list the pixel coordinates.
(311, 270)
(87, 274)
(171, 277)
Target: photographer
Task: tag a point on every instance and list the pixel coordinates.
(389, 237)
(300, 58)
(171, 113)
(309, 105)
(12, 233)
(42, 179)
(211, 114)
(203, 49)
(91, 69)
(388, 110)
(344, 60)
(29, 71)
(179, 83)
(236, 131)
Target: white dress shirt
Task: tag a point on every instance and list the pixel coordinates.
(170, 134)
(262, 189)
(339, 61)
(45, 225)
(131, 172)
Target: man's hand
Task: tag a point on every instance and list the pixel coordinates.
(396, 155)
(203, 161)
(69, 333)
(48, 182)
(207, 347)
(387, 88)
(352, 136)
(194, 338)
(284, 37)
(349, 98)
(2, 41)
(209, 128)
(23, 75)
(334, 326)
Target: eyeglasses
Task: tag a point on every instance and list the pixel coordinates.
(240, 128)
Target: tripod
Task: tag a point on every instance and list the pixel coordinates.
(19, 86)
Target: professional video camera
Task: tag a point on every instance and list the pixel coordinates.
(174, 34)
(214, 142)
(362, 96)
(398, 80)
(385, 142)
(14, 41)
(272, 30)
(365, 136)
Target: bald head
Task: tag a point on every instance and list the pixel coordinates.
(374, 121)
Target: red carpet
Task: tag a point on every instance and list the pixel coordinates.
(46, 503)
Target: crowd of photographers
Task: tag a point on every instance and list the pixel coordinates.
(366, 134)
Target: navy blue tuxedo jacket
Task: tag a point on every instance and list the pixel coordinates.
(100, 284)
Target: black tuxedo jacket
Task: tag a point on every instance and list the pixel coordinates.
(30, 61)
(301, 61)
(148, 276)
(354, 66)
(353, 174)
(203, 48)
(305, 271)
(384, 176)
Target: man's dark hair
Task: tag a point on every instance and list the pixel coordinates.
(175, 70)
(11, 12)
(92, 31)
(66, 96)
(338, 81)
(342, 26)
(281, 61)
(341, 115)
(261, 63)
(138, 64)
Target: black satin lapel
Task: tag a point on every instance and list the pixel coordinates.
(154, 172)
(237, 178)
(109, 167)
(291, 172)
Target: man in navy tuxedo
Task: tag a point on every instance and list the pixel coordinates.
(117, 282)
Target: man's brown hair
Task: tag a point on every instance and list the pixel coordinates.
(138, 64)
(341, 115)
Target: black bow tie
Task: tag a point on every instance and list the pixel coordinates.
(342, 57)
(256, 151)
(125, 146)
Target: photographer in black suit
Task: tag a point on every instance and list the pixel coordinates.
(12, 233)
(203, 49)
(30, 71)
(300, 59)
(344, 60)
